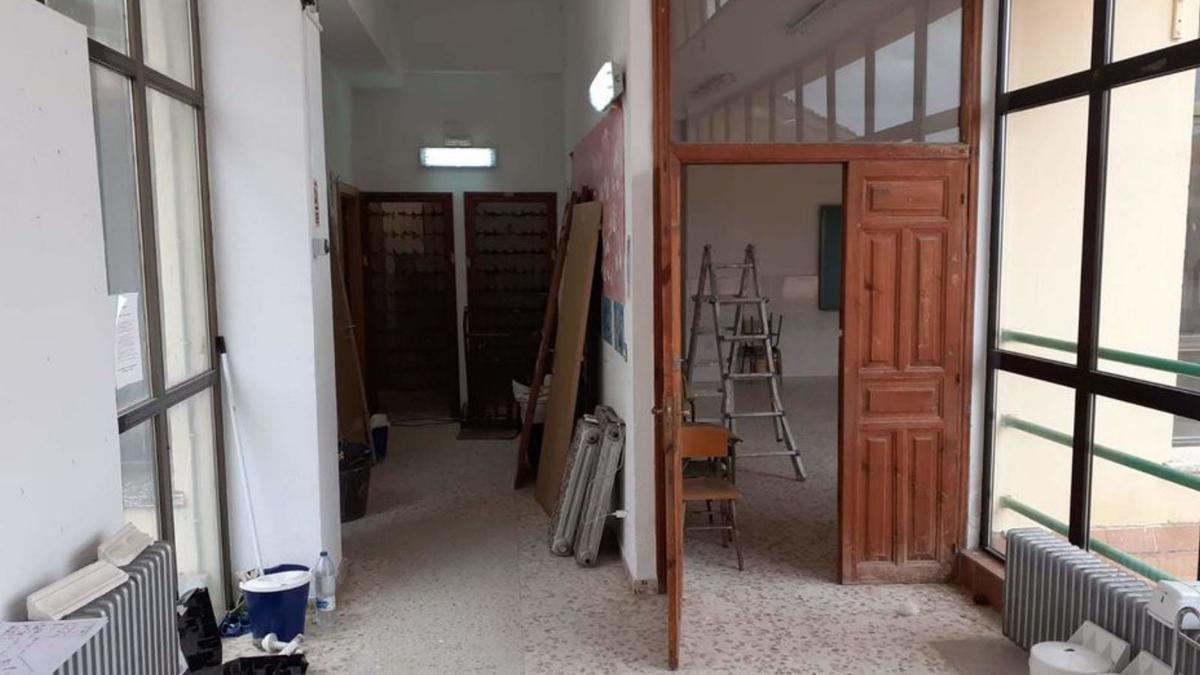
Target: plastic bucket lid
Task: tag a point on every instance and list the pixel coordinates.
(277, 601)
(277, 582)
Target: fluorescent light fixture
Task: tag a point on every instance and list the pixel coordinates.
(607, 87)
(458, 158)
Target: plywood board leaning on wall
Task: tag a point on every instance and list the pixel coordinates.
(574, 301)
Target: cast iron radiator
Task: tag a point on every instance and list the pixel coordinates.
(141, 637)
(1051, 587)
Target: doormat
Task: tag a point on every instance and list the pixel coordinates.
(487, 434)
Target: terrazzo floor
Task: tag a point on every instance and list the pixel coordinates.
(449, 573)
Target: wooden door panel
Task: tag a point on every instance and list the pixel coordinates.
(901, 369)
(882, 280)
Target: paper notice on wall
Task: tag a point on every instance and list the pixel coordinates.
(42, 646)
(127, 340)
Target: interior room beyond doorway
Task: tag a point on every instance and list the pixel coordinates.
(791, 216)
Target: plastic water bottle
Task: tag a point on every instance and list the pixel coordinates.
(326, 582)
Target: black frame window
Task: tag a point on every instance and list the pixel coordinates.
(1079, 364)
(149, 97)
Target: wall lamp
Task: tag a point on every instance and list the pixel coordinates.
(607, 87)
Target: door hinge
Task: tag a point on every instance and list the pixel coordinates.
(962, 198)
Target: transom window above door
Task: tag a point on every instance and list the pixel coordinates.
(815, 71)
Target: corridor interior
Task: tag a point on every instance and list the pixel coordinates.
(450, 572)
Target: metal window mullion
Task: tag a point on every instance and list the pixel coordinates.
(994, 253)
(1090, 274)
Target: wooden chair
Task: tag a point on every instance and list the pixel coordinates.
(711, 442)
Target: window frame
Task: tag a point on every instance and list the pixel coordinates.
(1084, 376)
(153, 409)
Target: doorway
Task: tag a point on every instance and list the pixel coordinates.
(901, 360)
(410, 289)
(510, 240)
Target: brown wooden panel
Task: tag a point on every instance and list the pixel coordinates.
(902, 386)
(887, 398)
(881, 286)
(877, 515)
(906, 198)
(923, 485)
(929, 328)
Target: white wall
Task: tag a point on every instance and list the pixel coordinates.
(519, 115)
(597, 31)
(272, 295)
(60, 486)
(775, 208)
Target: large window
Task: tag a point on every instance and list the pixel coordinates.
(150, 144)
(1094, 355)
(816, 72)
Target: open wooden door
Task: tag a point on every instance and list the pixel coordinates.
(902, 363)
(669, 413)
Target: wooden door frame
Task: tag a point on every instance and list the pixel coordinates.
(670, 161)
(446, 200)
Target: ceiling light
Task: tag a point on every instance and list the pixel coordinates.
(458, 158)
(607, 87)
(712, 84)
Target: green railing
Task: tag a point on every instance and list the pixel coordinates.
(1095, 545)
(1187, 480)
(1119, 355)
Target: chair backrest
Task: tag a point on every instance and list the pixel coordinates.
(703, 441)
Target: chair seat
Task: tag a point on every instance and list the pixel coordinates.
(708, 487)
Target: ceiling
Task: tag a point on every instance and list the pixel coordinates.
(383, 39)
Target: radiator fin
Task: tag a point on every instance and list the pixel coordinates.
(141, 637)
(1051, 587)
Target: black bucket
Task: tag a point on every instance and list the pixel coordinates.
(354, 479)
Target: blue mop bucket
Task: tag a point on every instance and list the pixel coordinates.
(277, 601)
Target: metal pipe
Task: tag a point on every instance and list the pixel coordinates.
(1096, 546)
(1187, 480)
(1119, 355)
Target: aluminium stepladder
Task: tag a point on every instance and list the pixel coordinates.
(747, 302)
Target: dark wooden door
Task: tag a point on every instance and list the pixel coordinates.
(412, 327)
(902, 363)
(510, 240)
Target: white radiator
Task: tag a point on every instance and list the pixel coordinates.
(141, 636)
(1051, 587)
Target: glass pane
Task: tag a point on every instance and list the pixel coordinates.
(760, 116)
(850, 93)
(1145, 503)
(1042, 231)
(139, 488)
(1031, 456)
(816, 103)
(105, 20)
(894, 60)
(111, 96)
(182, 278)
(942, 77)
(1141, 26)
(746, 48)
(1150, 291)
(167, 37)
(194, 486)
(1048, 40)
(719, 132)
(785, 108)
(737, 121)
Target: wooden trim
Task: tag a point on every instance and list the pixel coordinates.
(811, 153)
(661, 55)
(982, 575)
